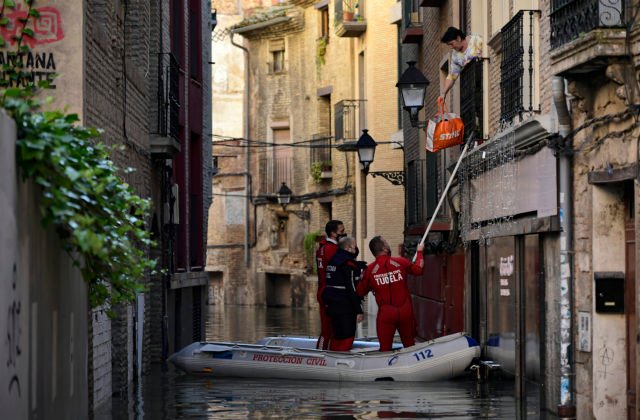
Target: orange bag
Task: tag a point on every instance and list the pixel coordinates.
(445, 131)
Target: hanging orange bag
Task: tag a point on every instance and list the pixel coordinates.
(446, 130)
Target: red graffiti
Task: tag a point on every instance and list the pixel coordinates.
(47, 27)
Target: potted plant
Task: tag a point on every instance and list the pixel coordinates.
(319, 170)
(348, 10)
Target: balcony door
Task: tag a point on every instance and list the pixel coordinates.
(281, 158)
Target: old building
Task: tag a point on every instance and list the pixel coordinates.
(141, 73)
(545, 205)
(312, 88)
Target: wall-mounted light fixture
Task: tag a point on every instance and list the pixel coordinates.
(366, 148)
(284, 196)
(413, 88)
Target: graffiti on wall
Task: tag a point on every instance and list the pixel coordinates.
(14, 333)
(47, 29)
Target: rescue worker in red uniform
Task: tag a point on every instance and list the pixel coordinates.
(343, 305)
(386, 277)
(334, 230)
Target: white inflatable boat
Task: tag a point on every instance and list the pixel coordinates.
(295, 358)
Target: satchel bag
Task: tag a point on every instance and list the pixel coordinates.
(446, 130)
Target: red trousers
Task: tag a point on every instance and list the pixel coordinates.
(391, 318)
(341, 345)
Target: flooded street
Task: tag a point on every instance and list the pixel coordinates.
(175, 395)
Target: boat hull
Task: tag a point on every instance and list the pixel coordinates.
(439, 359)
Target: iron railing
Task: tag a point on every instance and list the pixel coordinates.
(168, 96)
(471, 102)
(274, 172)
(571, 18)
(411, 13)
(422, 189)
(352, 7)
(349, 119)
(415, 192)
(517, 67)
(320, 151)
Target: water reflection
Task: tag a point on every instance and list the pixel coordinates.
(174, 395)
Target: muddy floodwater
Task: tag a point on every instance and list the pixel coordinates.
(171, 394)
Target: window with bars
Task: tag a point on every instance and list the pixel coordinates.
(518, 74)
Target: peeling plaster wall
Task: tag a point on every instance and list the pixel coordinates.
(609, 341)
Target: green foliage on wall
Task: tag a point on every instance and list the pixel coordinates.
(99, 218)
(309, 244)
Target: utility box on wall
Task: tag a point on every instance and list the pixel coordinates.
(609, 292)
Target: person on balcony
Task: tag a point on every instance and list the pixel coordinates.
(334, 230)
(343, 305)
(464, 49)
(386, 277)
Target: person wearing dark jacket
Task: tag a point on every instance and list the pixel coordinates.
(328, 247)
(342, 304)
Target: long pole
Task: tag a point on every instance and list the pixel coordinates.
(444, 194)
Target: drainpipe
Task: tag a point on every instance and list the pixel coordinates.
(566, 408)
(245, 103)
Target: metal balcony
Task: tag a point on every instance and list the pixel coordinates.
(165, 142)
(412, 22)
(571, 19)
(348, 20)
(586, 35)
(349, 120)
(471, 101)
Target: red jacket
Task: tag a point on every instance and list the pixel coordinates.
(324, 254)
(387, 278)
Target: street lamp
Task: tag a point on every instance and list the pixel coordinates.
(284, 197)
(366, 147)
(413, 87)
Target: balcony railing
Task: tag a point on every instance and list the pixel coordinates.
(415, 192)
(168, 102)
(349, 19)
(412, 21)
(349, 119)
(274, 172)
(471, 102)
(572, 18)
(517, 77)
(320, 151)
(422, 189)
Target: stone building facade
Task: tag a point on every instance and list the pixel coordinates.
(546, 204)
(311, 81)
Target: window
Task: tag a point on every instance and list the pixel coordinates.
(176, 29)
(194, 42)
(324, 23)
(276, 48)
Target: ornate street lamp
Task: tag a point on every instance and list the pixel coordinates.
(413, 87)
(284, 195)
(366, 147)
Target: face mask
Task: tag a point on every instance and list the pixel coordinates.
(341, 235)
